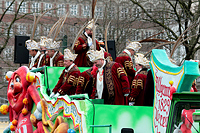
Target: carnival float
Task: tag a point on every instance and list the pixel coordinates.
(32, 110)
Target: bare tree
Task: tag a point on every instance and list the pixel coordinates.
(175, 17)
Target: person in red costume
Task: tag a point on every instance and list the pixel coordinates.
(67, 83)
(56, 57)
(44, 58)
(82, 45)
(126, 59)
(111, 82)
(34, 51)
(86, 81)
(22, 94)
(136, 96)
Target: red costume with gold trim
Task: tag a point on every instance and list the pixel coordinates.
(58, 60)
(137, 89)
(127, 63)
(81, 47)
(45, 60)
(116, 84)
(85, 82)
(67, 82)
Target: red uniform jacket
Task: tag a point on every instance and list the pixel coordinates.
(82, 60)
(45, 60)
(116, 84)
(58, 60)
(85, 83)
(67, 82)
(137, 89)
(126, 62)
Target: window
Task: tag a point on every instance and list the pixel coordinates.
(136, 35)
(99, 34)
(46, 30)
(47, 7)
(37, 31)
(124, 12)
(112, 12)
(99, 11)
(23, 7)
(86, 10)
(136, 12)
(35, 7)
(8, 3)
(73, 32)
(73, 10)
(22, 29)
(148, 34)
(8, 52)
(61, 9)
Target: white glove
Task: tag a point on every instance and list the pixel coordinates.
(90, 43)
(57, 95)
(38, 112)
(52, 94)
(126, 95)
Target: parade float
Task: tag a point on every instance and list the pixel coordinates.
(32, 110)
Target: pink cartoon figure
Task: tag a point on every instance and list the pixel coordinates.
(22, 94)
(187, 119)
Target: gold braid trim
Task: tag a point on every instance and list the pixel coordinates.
(137, 83)
(120, 71)
(76, 82)
(72, 79)
(81, 81)
(128, 64)
(133, 83)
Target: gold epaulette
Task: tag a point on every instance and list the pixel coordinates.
(72, 79)
(128, 64)
(120, 71)
(81, 81)
(137, 83)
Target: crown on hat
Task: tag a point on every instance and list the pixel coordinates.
(31, 45)
(68, 55)
(134, 46)
(52, 45)
(43, 41)
(90, 24)
(140, 59)
(95, 55)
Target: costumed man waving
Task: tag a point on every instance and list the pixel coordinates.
(33, 48)
(111, 81)
(126, 59)
(137, 90)
(83, 44)
(56, 57)
(67, 83)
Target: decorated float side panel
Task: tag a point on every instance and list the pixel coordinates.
(168, 78)
(136, 117)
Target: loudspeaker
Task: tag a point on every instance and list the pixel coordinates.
(127, 130)
(21, 53)
(111, 48)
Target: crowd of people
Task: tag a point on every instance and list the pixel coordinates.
(119, 82)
